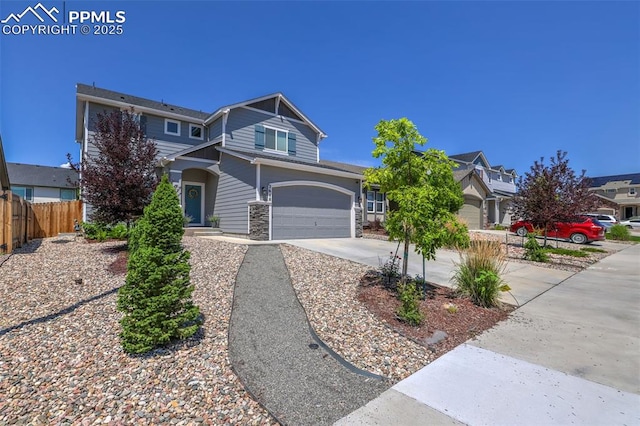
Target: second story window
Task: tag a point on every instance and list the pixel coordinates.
(171, 127)
(632, 191)
(272, 139)
(196, 132)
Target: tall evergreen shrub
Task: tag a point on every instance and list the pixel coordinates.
(156, 298)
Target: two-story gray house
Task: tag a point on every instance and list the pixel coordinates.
(255, 164)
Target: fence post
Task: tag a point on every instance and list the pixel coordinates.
(8, 221)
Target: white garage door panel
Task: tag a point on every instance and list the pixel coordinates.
(310, 212)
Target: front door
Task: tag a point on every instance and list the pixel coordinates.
(193, 203)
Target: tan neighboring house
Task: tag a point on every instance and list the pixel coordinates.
(43, 184)
(620, 194)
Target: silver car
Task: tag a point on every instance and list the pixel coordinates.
(632, 222)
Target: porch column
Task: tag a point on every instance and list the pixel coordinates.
(497, 211)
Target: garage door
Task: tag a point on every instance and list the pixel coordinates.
(471, 212)
(310, 212)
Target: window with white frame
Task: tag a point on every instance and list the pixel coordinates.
(275, 139)
(375, 202)
(196, 132)
(24, 192)
(171, 127)
(632, 191)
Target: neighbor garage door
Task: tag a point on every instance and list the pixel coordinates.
(310, 212)
(471, 212)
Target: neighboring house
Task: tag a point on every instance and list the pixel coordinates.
(492, 207)
(487, 191)
(621, 192)
(5, 184)
(43, 184)
(255, 164)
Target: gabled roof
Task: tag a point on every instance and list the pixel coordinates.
(353, 168)
(467, 157)
(281, 98)
(5, 184)
(276, 160)
(84, 91)
(46, 176)
(598, 181)
(458, 175)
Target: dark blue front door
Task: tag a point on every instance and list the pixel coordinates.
(193, 203)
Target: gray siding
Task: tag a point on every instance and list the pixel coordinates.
(153, 126)
(236, 188)
(241, 132)
(270, 175)
(215, 129)
(165, 149)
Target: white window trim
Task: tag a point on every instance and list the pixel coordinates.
(197, 126)
(286, 139)
(376, 202)
(632, 191)
(166, 131)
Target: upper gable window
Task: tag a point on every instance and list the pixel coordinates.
(196, 132)
(273, 139)
(171, 127)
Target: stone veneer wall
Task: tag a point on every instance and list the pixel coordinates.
(259, 220)
(358, 222)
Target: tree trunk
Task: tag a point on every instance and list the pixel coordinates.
(405, 258)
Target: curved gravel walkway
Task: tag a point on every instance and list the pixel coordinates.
(277, 356)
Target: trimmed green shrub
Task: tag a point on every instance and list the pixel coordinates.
(409, 310)
(533, 251)
(478, 273)
(620, 233)
(92, 229)
(119, 232)
(156, 297)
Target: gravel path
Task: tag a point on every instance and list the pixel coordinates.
(60, 356)
(277, 357)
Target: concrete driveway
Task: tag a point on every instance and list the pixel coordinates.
(372, 252)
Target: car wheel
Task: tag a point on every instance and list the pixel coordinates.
(629, 226)
(578, 238)
(521, 232)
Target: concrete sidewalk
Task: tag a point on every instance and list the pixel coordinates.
(569, 356)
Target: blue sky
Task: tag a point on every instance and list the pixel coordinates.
(517, 80)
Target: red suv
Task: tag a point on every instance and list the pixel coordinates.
(581, 230)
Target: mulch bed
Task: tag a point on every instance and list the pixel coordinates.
(468, 321)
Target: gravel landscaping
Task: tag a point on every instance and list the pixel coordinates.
(60, 355)
(61, 360)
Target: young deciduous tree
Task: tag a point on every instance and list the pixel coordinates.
(421, 186)
(552, 193)
(156, 296)
(118, 182)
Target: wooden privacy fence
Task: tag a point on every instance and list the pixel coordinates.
(21, 221)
